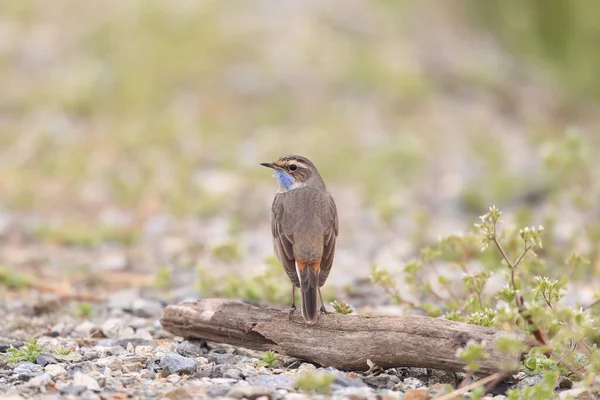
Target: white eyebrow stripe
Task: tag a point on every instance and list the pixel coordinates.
(301, 164)
(286, 163)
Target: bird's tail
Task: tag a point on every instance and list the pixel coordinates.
(310, 305)
(309, 286)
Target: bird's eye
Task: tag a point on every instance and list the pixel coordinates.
(293, 167)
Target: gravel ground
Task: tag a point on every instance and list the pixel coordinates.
(124, 353)
(465, 101)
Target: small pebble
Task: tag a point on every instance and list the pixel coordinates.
(191, 348)
(110, 362)
(45, 359)
(174, 363)
(42, 380)
(55, 370)
(416, 395)
(248, 392)
(27, 367)
(81, 379)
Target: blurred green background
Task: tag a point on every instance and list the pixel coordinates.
(418, 114)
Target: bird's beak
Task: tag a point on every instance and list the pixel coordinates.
(268, 165)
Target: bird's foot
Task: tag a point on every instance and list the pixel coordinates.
(323, 310)
(292, 312)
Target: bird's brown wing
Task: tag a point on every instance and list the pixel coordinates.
(331, 232)
(283, 241)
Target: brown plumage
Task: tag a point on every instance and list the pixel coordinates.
(304, 224)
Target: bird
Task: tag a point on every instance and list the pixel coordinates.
(304, 225)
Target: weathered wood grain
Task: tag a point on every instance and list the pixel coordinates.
(341, 341)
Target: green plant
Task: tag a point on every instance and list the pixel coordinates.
(269, 358)
(270, 285)
(84, 309)
(30, 351)
(11, 280)
(63, 351)
(541, 391)
(528, 300)
(163, 278)
(314, 382)
(77, 234)
(342, 308)
(471, 354)
(227, 252)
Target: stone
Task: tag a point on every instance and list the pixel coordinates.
(5, 345)
(113, 261)
(218, 390)
(112, 362)
(71, 390)
(233, 373)
(54, 396)
(173, 363)
(409, 384)
(72, 357)
(417, 395)
(123, 343)
(413, 372)
(201, 360)
(186, 392)
(218, 371)
(89, 395)
(106, 351)
(382, 381)
(191, 348)
(90, 355)
(26, 368)
(45, 359)
(439, 389)
(249, 392)
(143, 350)
(297, 396)
(127, 380)
(223, 381)
(85, 329)
(343, 379)
(83, 367)
(564, 383)
(443, 377)
(133, 363)
(273, 382)
(26, 376)
(59, 329)
(138, 322)
(145, 308)
(390, 396)
(143, 334)
(224, 358)
(55, 370)
(417, 383)
(529, 381)
(576, 394)
(86, 381)
(42, 380)
(364, 392)
(114, 328)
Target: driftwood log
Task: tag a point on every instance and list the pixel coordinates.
(341, 341)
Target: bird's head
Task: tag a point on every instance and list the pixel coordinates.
(293, 172)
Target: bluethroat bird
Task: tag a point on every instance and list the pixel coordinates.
(304, 224)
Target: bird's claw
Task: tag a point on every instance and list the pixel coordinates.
(292, 312)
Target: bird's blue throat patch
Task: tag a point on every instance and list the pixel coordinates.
(285, 180)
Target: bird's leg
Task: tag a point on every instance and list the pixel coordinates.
(323, 309)
(293, 302)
